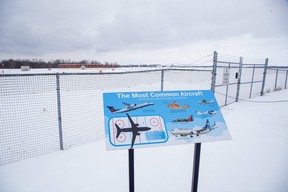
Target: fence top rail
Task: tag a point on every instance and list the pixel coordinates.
(100, 73)
(179, 69)
(78, 73)
(243, 66)
(228, 62)
(277, 68)
(254, 64)
(238, 63)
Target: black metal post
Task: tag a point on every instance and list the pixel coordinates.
(131, 170)
(196, 165)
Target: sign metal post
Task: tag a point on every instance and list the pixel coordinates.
(196, 165)
(131, 170)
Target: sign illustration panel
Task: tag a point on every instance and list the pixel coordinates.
(146, 119)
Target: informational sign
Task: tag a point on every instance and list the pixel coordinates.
(226, 75)
(146, 119)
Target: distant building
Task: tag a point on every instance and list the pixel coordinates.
(71, 65)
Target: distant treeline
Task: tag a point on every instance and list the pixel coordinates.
(38, 63)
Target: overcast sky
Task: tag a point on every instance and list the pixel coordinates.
(143, 31)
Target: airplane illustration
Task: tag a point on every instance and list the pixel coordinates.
(135, 129)
(204, 101)
(183, 132)
(209, 112)
(189, 119)
(129, 107)
(205, 129)
(174, 105)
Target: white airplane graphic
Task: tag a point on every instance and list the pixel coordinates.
(203, 102)
(209, 112)
(129, 107)
(205, 129)
(183, 132)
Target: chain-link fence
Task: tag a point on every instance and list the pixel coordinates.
(237, 78)
(276, 79)
(42, 113)
(29, 118)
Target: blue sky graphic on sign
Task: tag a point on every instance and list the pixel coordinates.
(146, 119)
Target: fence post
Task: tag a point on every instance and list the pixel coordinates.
(252, 81)
(227, 87)
(285, 87)
(214, 71)
(59, 112)
(162, 79)
(264, 77)
(226, 95)
(239, 79)
(276, 79)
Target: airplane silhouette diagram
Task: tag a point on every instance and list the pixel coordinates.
(135, 129)
(129, 107)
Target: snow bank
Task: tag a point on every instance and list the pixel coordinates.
(255, 160)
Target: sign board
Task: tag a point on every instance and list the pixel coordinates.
(158, 118)
(226, 75)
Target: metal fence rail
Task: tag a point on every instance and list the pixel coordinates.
(42, 113)
(243, 79)
(276, 79)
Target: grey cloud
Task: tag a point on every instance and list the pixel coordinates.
(38, 27)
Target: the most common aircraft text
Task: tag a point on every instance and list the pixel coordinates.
(159, 94)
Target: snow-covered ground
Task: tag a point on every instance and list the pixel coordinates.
(255, 160)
